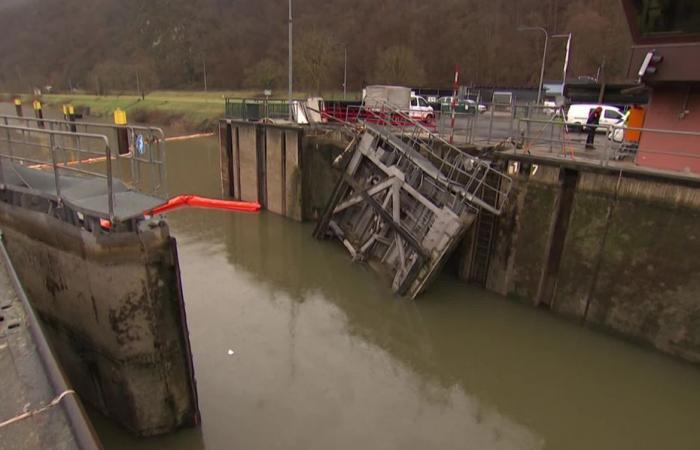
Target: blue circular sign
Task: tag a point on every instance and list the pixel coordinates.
(140, 144)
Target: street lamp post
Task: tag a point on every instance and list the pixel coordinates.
(345, 75)
(290, 60)
(544, 57)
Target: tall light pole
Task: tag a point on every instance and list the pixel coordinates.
(544, 57)
(345, 75)
(204, 68)
(290, 60)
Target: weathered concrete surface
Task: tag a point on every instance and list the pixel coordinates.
(647, 284)
(627, 260)
(263, 163)
(113, 311)
(293, 188)
(318, 176)
(521, 234)
(286, 168)
(247, 165)
(25, 384)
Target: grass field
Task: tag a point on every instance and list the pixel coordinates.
(195, 109)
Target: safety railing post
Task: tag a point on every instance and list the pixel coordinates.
(110, 191)
(488, 141)
(134, 151)
(528, 116)
(9, 138)
(606, 153)
(551, 136)
(52, 150)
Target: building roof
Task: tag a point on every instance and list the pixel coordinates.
(616, 94)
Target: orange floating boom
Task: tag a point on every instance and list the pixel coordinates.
(202, 202)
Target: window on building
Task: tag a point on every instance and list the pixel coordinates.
(667, 17)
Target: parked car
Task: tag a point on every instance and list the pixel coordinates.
(577, 115)
(474, 106)
(463, 105)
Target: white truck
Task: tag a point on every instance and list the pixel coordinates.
(398, 97)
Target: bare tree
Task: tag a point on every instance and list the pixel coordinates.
(266, 74)
(399, 65)
(317, 60)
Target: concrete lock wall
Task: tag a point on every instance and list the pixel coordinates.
(285, 169)
(615, 250)
(112, 307)
(262, 163)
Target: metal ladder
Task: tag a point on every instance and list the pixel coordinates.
(483, 243)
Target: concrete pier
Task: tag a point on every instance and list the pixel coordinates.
(103, 278)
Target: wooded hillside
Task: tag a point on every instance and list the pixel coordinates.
(104, 44)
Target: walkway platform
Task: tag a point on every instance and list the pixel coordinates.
(89, 195)
(38, 410)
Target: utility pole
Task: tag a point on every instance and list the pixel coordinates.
(204, 68)
(291, 62)
(345, 75)
(544, 57)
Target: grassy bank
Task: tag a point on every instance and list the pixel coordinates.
(190, 110)
(187, 110)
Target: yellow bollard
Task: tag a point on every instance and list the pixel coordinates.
(38, 113)
(18, 107)
(71, 116)
(122, 132)
(119, 117)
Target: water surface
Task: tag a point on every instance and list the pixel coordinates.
(325, 357)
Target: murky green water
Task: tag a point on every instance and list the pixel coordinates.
(324, 357)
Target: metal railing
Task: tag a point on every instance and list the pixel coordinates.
(145, 150)
(72, 156)
(492, 126)
(469, 179)
(611, 142)
(256, 109)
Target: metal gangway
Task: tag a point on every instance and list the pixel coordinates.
(80, 165)
(406, 196)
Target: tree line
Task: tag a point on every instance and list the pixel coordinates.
(114, 45)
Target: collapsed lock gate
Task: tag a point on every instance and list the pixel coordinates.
(406, 197)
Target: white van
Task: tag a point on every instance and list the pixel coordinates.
(420, 109)
(577, 116)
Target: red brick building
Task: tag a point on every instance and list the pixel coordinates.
(666, 33)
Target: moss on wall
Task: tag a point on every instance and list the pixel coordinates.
(629, 262)
(319, 178)
(649, 283)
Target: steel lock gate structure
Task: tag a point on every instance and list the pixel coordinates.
(406, 197)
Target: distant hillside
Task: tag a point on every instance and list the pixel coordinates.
(105, 45)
